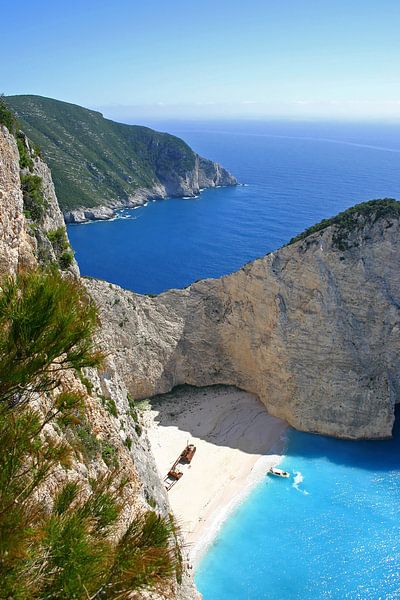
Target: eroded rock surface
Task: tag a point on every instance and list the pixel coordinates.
(311, 329)
(16, 245)
(25, 243)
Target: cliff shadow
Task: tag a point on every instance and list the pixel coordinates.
(371, 455)
(227, 416)
(221, 415)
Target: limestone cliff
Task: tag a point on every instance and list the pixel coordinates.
(312, 329)
(119, 438)
(171, 184)
(99, 165)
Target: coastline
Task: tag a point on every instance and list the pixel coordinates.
(236, 441)
(107, 212)
(208, 530)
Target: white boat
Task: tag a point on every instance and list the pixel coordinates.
(278, 472)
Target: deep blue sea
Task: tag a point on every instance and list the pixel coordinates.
(332, 531)
(294, 175)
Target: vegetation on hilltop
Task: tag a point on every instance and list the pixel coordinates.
(69, 548)
(7, 117)
(349, 220)
(94, 160)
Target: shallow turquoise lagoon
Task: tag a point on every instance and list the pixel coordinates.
(336, 534)
(332, 531)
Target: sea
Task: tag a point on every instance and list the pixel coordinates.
(332, 530)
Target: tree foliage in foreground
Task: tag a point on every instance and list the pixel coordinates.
(70, 553)
(68, 549)
(47, 324)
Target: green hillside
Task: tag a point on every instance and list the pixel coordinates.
(95, 160)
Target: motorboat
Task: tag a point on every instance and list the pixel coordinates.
(278, 472)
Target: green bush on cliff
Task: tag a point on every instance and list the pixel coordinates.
(70, 549)
(58, 239)
(7, 117)
(46, 327)
(348, 220)
(34, 202)
(65, 260)
(25, 160)
(61, 247)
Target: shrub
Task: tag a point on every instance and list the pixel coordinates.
(128, 442)
(87, 443)
(70, 552)
(7, 117)
(109, 405)
(46, 327)
(109, 455)
(34, 202)
(65, 260)
(58, 239)
(61, 247)
(25, 161)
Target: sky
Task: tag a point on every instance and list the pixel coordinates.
(207, 59)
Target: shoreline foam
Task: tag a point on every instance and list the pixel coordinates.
(209, 533)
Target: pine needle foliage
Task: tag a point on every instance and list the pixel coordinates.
(70, 549)
(71, 552)
(47, 324)
(25, 463)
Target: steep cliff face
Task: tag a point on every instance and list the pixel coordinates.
(312, 330)
(173, 183)
(116, 434)
(16, 245)
(98, 164)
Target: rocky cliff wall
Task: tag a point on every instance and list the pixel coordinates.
(312, 329)
(25, 244)
(16, 245)
(205, 174)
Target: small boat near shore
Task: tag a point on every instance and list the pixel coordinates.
(278, 472)
(183, 460)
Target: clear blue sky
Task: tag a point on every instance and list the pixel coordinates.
(207, 58)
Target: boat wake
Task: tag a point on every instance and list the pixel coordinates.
(298, 479)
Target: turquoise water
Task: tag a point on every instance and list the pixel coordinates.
(295, 175)
(335, 535)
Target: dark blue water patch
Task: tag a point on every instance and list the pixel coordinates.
(292, 181)
(332, 531)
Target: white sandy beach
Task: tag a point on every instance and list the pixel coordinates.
(236, 441)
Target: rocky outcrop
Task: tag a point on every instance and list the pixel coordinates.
(312, 329)
(205, 174)
(100, 164)
(16, 245)
(102, 213)
(22, 244)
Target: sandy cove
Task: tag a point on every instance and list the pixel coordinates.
(237, 441)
